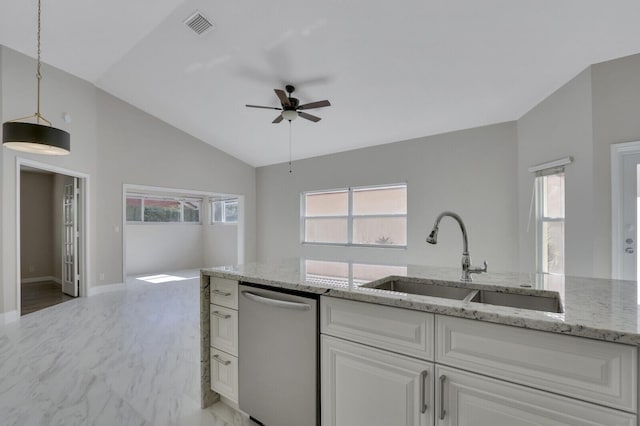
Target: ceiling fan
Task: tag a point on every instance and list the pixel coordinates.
(291, 107)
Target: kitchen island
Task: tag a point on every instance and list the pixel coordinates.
(599, 309)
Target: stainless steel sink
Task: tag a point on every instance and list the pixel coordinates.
(534, 300)
(546, 303)
(422, 288)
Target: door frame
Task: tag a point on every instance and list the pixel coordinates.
(618, 152)
(83, 254)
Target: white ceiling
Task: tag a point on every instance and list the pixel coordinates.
(393, 70)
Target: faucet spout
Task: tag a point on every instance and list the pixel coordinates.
(467, 269)
(433, 236)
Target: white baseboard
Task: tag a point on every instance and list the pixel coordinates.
(38, 279)
(7, 317)
(105, 288)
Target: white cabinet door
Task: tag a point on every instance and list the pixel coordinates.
(363, 386)
(466, 399)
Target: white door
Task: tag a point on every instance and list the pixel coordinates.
(466, 399)
(363, 386)
(629, 228)
(70, 264)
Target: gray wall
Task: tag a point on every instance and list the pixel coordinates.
(158, 247)
(616, 103)
(114, 143)
(560, 126)
(582, 119)
(36, 225)
(470, 172)
(136, 148)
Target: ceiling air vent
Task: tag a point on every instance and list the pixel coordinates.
(198, 23)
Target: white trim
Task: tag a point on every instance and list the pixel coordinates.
(106, 288)
(38, 279)
(9, 317)
(618, 151)
(85, 193)
(551, 164)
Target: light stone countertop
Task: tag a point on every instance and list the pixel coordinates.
(602, 309)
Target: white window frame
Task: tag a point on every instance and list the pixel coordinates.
(181, 200)
(540, 197)
(224, 211)
(350, 216)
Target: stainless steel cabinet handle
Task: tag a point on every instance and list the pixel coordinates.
(221, 361)
(423, 391)
(275, 302)
(221, 315)
(443, 378)
(220, 293)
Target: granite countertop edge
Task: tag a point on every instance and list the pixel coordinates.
(524, 318)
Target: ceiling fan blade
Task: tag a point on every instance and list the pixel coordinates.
(318, 104)
(309, 117)
(278, 119)
(264, 107)
(283, 97)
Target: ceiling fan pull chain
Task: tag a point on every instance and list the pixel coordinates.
(290, 171)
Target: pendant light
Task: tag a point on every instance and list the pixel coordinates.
(39, 137)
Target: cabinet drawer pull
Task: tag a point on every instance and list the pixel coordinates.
(220, 293)
(423, 391)
(221, 315)
(443, 378)
(221, 361)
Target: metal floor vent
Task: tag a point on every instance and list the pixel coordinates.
(198, 23)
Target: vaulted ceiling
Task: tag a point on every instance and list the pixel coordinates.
(393, 70)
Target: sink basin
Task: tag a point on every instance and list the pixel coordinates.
(422, 288)
(524, 301)
(537, 301)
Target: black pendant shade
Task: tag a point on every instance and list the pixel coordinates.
(35, 138)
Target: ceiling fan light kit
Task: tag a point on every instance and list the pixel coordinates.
(35, 137)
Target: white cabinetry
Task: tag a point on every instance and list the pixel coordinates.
(465, 399)
(367, 386)
(383, 365)
(224, 337)
(359, 380)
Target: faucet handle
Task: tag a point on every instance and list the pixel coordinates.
(478, 270)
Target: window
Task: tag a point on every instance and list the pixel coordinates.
(365, 216)
(149, 209)
(549, 190)
(224, 211)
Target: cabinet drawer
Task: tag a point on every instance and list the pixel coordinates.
(590, 370)
(224, 292)
(224, 329)
(469, 399)
(398, 330)
(224, 374)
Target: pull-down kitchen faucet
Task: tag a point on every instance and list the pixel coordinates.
(467, 269)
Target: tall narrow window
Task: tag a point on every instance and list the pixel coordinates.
(549, 190)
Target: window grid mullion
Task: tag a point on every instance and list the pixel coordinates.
(350, 218)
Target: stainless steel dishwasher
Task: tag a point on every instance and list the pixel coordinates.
(278, 356)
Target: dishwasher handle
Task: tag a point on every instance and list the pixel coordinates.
(276, 302)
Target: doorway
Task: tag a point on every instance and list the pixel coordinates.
(625, 197)
(52, 241)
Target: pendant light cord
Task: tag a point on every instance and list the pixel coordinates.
(290, 171)
(38, 73)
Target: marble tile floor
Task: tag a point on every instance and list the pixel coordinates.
(127, 357)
